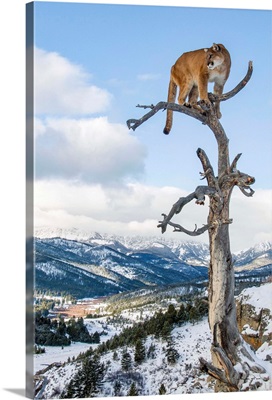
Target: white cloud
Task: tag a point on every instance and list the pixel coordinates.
(81, 165)
(125, 203)
(62, 87)
(132, 209)
(90, 150)
(252, 218)
(135, 209)
(148, 77)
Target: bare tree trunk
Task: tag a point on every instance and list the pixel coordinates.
(222, 309)
(227, 347)
(232, 364)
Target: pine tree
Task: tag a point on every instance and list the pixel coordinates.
(182, 315)
(88, 380)
(166, 330)
(95, 337)
(162, 389)
(133, 390)
(171, 314)
(117, 388)
(171, 353)
(139, 354)
(201, 304)
(151, 353)
(69, 392)
(193, 314)
(126, 361)
(62, 327)
(158, 323)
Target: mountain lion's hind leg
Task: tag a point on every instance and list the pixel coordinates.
(193, 98)
(185, 88)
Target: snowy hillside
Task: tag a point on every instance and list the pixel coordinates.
(259, 297)
(192, 341)
(254, 309)
(91, 264)
(169, 362)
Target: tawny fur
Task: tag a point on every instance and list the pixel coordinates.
(192, 72)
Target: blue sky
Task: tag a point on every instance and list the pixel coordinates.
(94, 64)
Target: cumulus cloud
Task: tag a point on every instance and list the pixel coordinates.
(62, 87)
(134, 209)
(90, 150)
(252, 218)
(84, 167)
(131, 209)
(126, 203)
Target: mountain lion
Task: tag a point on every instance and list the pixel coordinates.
(192, 72)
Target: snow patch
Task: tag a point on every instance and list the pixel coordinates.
(259, 297)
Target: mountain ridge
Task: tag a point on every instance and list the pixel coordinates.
(92, 264)
(135, 241)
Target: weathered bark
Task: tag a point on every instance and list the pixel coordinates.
(222, 311)
(228, 350)
(227, 342)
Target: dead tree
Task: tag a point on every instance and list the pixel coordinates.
(232, 362)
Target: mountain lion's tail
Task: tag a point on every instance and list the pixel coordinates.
(172, 92)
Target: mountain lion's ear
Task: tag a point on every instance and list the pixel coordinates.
(206, 50)
(216, 47)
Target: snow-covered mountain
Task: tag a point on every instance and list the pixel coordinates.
(87, 269)
(259, 255)
(190, 252)
(88, 264)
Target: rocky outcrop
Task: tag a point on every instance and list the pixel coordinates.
(254, 315)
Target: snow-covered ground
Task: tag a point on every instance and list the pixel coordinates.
(259, 297)
(58, 354)
(191, 341)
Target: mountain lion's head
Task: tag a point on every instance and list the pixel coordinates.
(215, 56)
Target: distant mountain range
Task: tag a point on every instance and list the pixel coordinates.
(91, 264)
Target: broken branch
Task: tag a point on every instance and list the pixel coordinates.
(234, 162)
(163, 105)
(237, 88)
(151, 106)
(195, 232)
(199, 195)
(240, 179)
(207, 167)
